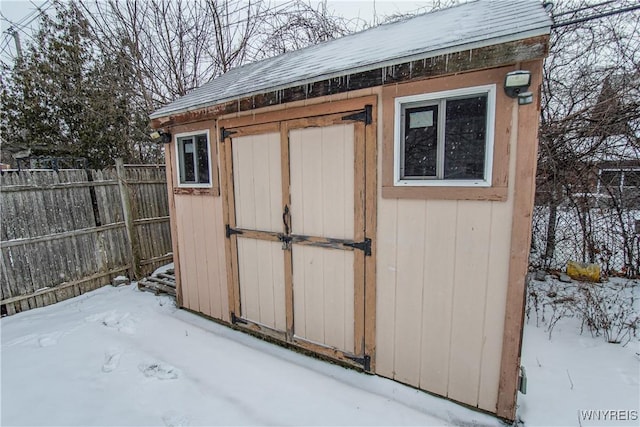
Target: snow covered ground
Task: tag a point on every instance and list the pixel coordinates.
(573, 378)
(118, 356)
(573, 373)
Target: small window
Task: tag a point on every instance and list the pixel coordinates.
(193, 157)
(611, 178)
(619, 178)
(445, 138)
(632, 178)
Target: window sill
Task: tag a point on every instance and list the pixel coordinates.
(443, 183)
(196, 191)
(496, 194)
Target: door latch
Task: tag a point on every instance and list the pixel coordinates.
(286, 241)
(285, 238)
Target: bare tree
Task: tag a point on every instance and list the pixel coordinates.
(62, 99)
(590, 117)
(299, 25)
(175, 45)
(142, 54)
(432, 7)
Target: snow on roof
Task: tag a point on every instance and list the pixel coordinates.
(466, 26)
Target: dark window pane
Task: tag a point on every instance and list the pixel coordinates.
(188, 156)
(632, 178)
(610, 178)
(203, 160)
(420, 141)
(465, 138)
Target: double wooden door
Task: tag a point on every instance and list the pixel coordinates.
(296, 230)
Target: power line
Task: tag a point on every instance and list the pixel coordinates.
(19, 23)
(35, 13)
(29, 18)
(39, 11)
(21, 26)
(13, 29)
(4, 48)
(596, 16)
(593, 6)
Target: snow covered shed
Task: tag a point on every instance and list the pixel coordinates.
(369, 198)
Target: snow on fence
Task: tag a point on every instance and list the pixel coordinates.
(67, 232)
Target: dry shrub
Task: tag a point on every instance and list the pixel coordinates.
(606, 309)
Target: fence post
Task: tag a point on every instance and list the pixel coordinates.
(125, 199)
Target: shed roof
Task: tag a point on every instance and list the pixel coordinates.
(466, 26)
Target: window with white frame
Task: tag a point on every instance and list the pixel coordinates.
(194, 169)
(618, 181)
(445, 138)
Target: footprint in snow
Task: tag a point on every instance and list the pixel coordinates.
(20, 340)
(629, 378)
(159, 370)
(112, 319)
(111, 360)
(47, 340)
(44, 340)
(173, 419)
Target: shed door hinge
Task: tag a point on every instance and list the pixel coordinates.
(362, 116)
(365, 361)
(224, 134)
(364, 246)
(235, 319)
(230, 231)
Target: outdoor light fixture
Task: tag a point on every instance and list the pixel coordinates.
(525, 98)
(517, 82)
(161, 136)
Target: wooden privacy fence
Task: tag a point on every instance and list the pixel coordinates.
(67, 232)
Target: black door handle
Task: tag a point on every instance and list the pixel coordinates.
(285, 219)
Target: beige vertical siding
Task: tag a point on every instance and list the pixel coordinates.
(473, 238)
(261, 272)
(323, 296)
(257, 176)
(203, 271)
(257, 179)
(494, 309)
(322, 165)
(442, 273)
(322, 204)
(409, 272)
(439, 262)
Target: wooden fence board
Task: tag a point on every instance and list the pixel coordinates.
(67, 226)
(6, 209)
(4, 279)
(107, 196)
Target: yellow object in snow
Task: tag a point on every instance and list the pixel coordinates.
(583, 271)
